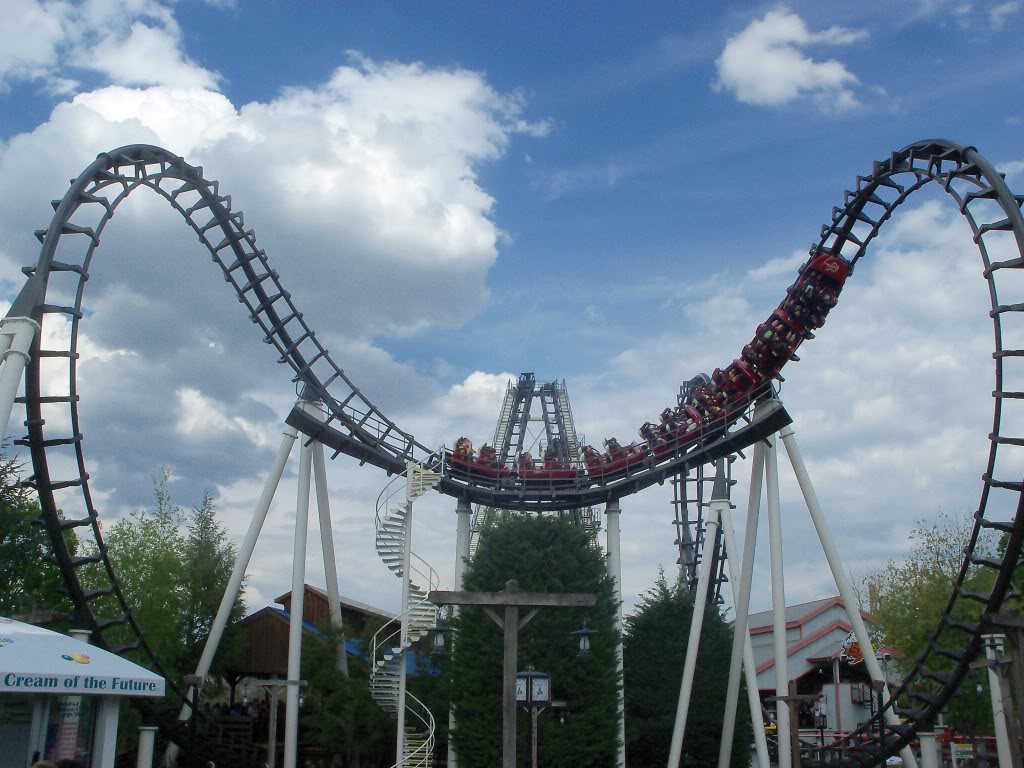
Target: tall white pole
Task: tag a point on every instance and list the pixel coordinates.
(612, 532)
(244, 555)
(929, 755)
(463, 533)
(782, 732)
(993, 652)
(291, 712)
(719, 498)
(22, 331)
(323, 507)
(846, 592)
(404, 636)
(147, 740)
(741, 633)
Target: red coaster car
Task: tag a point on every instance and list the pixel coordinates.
(552, 470)
(836, 268)
(616, 459)
(486, 464)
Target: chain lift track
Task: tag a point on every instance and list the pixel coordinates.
(356, 427)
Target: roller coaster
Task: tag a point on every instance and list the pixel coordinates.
(716, 419)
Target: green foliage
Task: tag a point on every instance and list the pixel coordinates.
(912, 594)
(27, 581)
(339, 713)
(545, 555)
(653, 655)
(173, 570)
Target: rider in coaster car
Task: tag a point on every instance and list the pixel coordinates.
(669, 420)
(488, 455)
(463, 448)
(526, 460)
(551, 460)
(612, 448)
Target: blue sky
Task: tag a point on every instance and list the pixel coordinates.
(457, 192)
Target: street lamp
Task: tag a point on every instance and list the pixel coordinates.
(533, 690)
(439, 629)
(879, 686)
(195, 684)
(584, 637)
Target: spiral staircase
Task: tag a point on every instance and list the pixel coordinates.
(393, 522)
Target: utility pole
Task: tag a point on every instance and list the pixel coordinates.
(792, 702)
(511, 599)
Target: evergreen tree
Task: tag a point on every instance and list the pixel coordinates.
(544, 555)
(654, 653)
(339, 714)
(208, 558)
(172, 573)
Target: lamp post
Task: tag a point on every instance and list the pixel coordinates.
(533, 689)
(511, 600)
(879, 686)
(584, 637)
(195, 685)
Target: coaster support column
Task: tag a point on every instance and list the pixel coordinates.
(295, 608)
(846, 592)
(323, 508)
(719, 497)
(612, 528)
(463, 534)
(782, 732)
(742, 651)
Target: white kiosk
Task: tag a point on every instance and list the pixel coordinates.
(60, 697)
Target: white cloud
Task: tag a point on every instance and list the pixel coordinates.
(786, 265)
(1012, 168)
(145, 55)
(999, 13)
(203, 418)
(764, 64)
(135, 42)
(30, 38)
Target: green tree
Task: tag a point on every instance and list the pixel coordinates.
(27, 580)
(339, 714)
(653, 655)
(546, 555)
(208, 558)
(912, 594)
(172, 569)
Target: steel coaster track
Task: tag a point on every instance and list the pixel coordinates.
(989, 207)
(75, 232)
(353, 425)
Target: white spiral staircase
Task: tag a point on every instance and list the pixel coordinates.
(392, 518)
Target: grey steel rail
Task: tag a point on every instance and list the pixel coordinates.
(356, 427)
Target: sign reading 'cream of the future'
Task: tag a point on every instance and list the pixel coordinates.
(36, 660)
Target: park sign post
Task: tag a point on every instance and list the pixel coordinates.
(511, 600)
(36, 660)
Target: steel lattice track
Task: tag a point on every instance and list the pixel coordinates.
(352, 424)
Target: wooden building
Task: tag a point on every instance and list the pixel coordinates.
(266, 630)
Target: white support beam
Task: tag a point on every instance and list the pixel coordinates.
(463, 534)
(742, 650)
(295, 608)
(719, 497)
(244, 556)
(16, 337)
(614, 550)
(783, 732)
(323, 507)
(846, 592)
